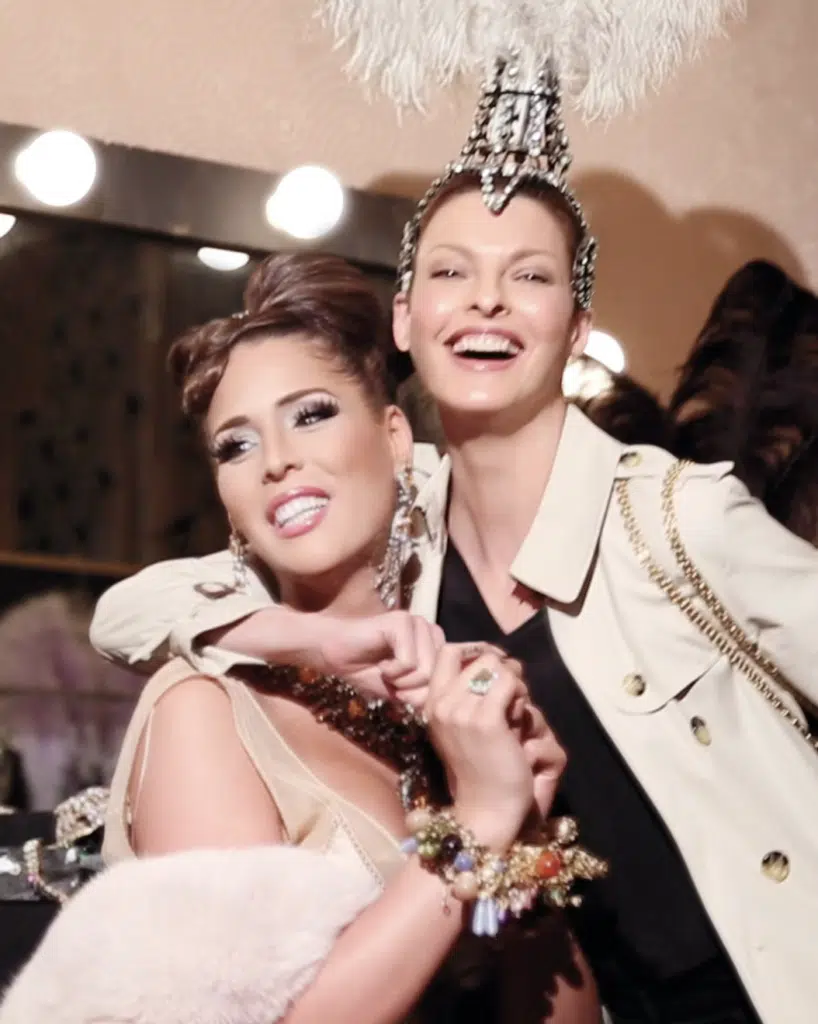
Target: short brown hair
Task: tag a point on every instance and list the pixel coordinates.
(320, 296)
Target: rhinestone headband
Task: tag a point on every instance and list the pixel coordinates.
(517, 138)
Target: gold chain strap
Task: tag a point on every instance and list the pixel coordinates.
(742, 652)
(76, 818)
(32, 859)
(700, 585)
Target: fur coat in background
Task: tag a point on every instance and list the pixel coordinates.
(62, 708)
(199, 937)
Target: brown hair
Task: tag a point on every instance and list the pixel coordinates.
(322, 297)
(748, 392)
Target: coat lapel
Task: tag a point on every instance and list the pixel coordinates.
(558, 552)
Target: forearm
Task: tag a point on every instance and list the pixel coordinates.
(382, 963)
(277, 635)
(545, 979)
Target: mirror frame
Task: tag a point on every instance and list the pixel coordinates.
(204, 203)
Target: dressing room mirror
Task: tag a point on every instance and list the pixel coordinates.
(99, 472)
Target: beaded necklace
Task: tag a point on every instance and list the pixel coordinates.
(388, 729)
(529, 874)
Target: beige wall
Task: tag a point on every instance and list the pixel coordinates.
(720, 167)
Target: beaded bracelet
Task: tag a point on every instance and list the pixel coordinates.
(501, 885)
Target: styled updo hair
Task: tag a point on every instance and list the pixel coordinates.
(322, 297)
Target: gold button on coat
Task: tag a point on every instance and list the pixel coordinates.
(701, 731)
(634, 685)
(631, 459)
(776, 866)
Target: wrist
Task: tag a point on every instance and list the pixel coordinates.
(305, 636)
(308, 635)
(511, 879)
(279, 636)
(492, 830)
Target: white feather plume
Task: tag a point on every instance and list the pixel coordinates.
(608, 53)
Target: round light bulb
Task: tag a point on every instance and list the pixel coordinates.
(585, 378)
(606, 350)
(307, 203)
(7, 222)
(57, 168)
(222, 259)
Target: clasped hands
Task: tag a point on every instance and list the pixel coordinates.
(473, 697)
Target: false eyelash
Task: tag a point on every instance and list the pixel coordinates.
(313, 410)
(536, 277)
(226, 449)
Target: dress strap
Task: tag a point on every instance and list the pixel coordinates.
(117, 819)
(303, 804)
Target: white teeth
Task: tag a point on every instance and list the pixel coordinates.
(297, 509)
(485, 343)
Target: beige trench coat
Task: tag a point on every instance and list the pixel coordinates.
(733, 781)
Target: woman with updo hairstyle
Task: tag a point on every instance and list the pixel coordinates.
(258, 817)
(322, 296)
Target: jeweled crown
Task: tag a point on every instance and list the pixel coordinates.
(517, 137)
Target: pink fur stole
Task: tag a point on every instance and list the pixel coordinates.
(200, 937)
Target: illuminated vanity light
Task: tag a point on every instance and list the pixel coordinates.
(606, 350)
(307, 203)
(585, 378)
(58, 168)
(222, 259)
(593, 372)
(7, 222)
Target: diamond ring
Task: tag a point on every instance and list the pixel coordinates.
(481, 682)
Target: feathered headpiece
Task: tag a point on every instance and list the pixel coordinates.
(607, 53)
(604, 53)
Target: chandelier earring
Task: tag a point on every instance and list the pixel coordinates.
(238, 551)
(400, 542)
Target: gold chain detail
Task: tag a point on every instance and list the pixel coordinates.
(726, 635)
(81, 815)
(32, 859)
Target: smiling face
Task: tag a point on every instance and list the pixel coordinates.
(491, 319)
(305, 463)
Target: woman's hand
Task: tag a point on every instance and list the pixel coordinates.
(489, 769)
(395, 651)
(542, 750)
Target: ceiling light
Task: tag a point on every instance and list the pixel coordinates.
(606, 350)
(585, 378)
(57, 168)
(7, 222)
(222, 259)
(307, 203)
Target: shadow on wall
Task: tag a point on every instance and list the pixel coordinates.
(658, 272)
(397, 183)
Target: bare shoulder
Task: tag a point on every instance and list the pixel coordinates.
(195, 782)
(193, 727)
(194, 702)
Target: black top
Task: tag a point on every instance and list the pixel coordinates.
(645, 920)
